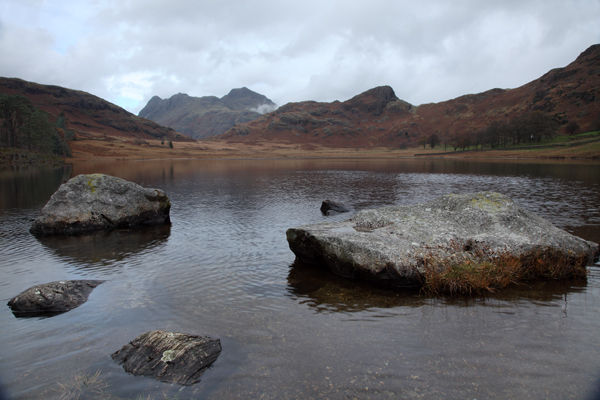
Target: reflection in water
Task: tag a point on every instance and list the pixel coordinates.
(324, 291)
(29, 185)
(224, 269)
(99, 249)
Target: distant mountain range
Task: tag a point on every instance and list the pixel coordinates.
(200, 117)
(378, 118)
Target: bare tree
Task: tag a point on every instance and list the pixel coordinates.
(572, 128)
(433, 140)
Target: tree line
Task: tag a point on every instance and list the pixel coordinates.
(526, 128)
(25, 126)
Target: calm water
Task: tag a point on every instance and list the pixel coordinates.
(288, 330)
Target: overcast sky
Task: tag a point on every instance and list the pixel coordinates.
(127, 51)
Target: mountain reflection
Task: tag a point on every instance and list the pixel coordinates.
(94, 250)
(24, 186)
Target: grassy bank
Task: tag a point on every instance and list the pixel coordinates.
(585, 145)
(19, 157)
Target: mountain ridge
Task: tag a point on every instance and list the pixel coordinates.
(200, 117)
(378, 117)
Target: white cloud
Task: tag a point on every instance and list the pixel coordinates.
(127, 51)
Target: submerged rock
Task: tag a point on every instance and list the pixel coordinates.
(329, 207)
(97, 201)
(400, 245)
(52, 298)
(169, 356)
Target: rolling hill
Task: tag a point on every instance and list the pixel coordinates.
(87, 115)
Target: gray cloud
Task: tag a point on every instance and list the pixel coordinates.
(428, 51)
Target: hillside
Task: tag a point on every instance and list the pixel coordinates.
(200, 117)
(378, 117)
(87, 115)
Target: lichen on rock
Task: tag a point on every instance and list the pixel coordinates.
(97, 201)
(402, 245)
(169, 356)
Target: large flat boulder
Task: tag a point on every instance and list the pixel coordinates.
(169, 356)
(97, 201)
(52, 298)
(475, 233)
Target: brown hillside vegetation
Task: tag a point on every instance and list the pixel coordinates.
(88, 116)
(127, 149)
(377, 118)
(375, 123)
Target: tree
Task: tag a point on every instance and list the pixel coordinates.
(423, 140)
(24, 126)
(492, 135)
(572, 128)
(453, 141)
(541, 125)
(464, 140)
(15, 111)
(433, 140)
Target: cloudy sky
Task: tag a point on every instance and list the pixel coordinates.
(127, 51)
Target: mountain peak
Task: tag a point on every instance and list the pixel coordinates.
(200, 117)
(245, 99)
(239, 93)
(379, 93)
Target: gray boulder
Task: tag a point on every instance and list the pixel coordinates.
(52, 298)
(97, 201)
(400, 245)
(169, 356)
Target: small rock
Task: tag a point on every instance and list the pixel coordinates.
(169, 356)
(52, 298)
(330, 207)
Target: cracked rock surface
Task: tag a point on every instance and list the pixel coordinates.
(169, 356)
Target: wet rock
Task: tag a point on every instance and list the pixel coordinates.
(396, 245)
(97, 201)
(329, 207)
(168, 356)
(52, 298)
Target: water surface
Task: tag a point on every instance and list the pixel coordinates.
(289, 330)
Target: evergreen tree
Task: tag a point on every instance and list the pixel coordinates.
(24, 126)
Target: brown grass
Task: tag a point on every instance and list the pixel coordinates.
(82, 386)
(470, 277)
(86, 386)
(98, 148)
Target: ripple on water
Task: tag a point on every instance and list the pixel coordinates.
(224, 268)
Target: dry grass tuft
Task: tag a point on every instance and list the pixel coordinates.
(472, 277)
(86, 386)
(83, 386)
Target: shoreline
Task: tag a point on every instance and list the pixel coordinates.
(123, 149)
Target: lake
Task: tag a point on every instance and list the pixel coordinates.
(288, 330)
